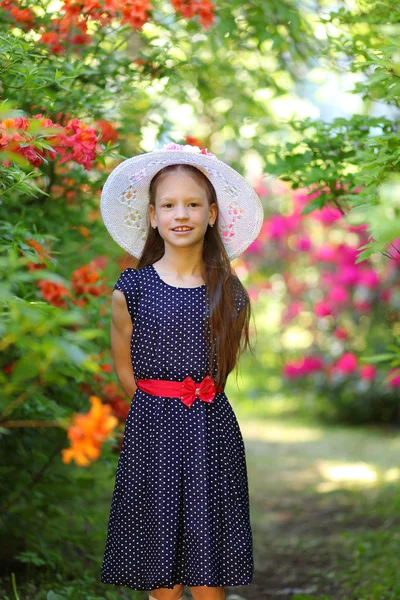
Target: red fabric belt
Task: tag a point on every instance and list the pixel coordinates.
(187, 390)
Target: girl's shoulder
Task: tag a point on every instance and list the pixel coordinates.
(133, 279)
(130, 283)
(127, 279)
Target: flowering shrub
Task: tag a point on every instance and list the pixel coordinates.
(76, 141)
(70, 27)
(344, 309)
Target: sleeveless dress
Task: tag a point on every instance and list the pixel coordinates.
(180, 507)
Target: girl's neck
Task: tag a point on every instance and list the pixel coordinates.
(177, 274)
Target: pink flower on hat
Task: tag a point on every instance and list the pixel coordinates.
(188, 148)
(172, 146)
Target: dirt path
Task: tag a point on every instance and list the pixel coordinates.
(311, 487)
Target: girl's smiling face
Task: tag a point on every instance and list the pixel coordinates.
(181, 202)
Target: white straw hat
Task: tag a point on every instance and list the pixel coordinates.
(125, 198)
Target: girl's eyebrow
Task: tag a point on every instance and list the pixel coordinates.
(188, 198)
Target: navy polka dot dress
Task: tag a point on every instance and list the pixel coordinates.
(180, 508)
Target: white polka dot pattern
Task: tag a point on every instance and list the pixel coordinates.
(180, 507)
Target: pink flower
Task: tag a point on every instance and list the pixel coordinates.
(347, 363)
(393, 380)
(363, 306)
(302, 197)
(356, 228)
(338, 295)
(325, 252)
(293, 222)
(369, 278)
(303, 244)
(280, 226)
(347, 254)
(323, 308)
(188, 148)
(367, 372)
(348, 275)
(255, 247)
(172, 146)
(328, 278)
(340, 333)
(396, 244)
(302, 367)
(326, 215)
(254, 293)
(292, 310)
(261, 189)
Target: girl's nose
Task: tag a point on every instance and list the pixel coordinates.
(181, 212)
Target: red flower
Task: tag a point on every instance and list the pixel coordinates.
(41, 253)
(135, 12)
(23, 16)
(108, 132)
(9, 368)
(82, 140)
(85, 278)
(51, 38)
(189, 8)
(193, 142)
(53, 292)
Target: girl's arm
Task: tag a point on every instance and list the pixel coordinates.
(121, 333)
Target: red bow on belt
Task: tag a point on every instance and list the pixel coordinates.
(187, 390)
(205, 390)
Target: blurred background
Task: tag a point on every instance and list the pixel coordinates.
(302, 98)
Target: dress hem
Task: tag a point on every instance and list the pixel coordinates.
(186, 584)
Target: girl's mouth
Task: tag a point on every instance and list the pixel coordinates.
(182, 231)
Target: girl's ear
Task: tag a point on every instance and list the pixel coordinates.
(152, 214)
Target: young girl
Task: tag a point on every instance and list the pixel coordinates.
(180, 509)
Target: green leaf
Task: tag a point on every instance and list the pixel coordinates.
(27, 368)
(316, 203)
(376, 358)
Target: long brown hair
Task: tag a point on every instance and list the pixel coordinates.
(227, 333)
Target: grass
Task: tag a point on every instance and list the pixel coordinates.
(325, 505)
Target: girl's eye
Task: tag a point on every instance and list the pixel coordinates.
(169, 204)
